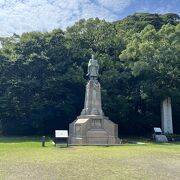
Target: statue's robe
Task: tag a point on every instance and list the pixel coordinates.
(93, 68)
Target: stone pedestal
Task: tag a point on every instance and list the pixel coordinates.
(92, 103)
(166, 116)
(161, 138)
(92, 127)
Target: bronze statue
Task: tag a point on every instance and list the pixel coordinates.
(93, 69)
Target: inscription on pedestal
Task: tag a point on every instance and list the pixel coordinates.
(96, 123)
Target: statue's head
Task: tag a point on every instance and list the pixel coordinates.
(92, 56)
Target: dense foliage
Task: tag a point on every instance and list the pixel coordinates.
(43, 75)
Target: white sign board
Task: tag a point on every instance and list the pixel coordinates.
(157, 130)
(61, 133)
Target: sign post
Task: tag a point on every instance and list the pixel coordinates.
(157, 130)
(43, 141)
(61, 134)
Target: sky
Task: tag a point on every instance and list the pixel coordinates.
(18, 16)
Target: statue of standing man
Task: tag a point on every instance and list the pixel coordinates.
(93, 69)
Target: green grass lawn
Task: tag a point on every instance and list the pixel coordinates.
(24, 158)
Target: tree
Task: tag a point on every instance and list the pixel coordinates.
(43, 75)
(152, 58)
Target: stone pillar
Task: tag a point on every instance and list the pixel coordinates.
(92, 103)
(166, 116)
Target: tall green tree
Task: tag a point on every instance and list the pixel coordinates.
(152, 58)
(43, 75)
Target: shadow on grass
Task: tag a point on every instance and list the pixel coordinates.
(126, 141)
(21, 139)
(169, 143)
(135, 139)
(64, 147)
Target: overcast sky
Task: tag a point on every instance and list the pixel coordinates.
(17, 16)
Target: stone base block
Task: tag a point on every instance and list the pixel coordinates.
(97, 136)
(93, 130)
(76, 140)
(161, 138)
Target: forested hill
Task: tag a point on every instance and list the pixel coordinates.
(138, 21)
(43, 75)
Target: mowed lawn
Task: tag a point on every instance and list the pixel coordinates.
(24, 158)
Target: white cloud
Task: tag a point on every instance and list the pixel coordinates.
(114, 5)
(17, 16)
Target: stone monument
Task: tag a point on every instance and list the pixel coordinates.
(166, 116)
(159, 137)
(92, 127)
